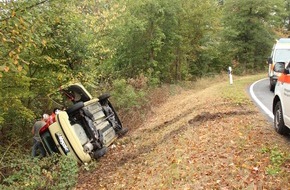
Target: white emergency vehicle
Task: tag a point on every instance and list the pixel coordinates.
(281, 106)
(280, 53)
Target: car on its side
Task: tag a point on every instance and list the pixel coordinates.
(280, 53)
(281, 100)
(83, 127)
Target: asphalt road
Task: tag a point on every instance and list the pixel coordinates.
(262, 96)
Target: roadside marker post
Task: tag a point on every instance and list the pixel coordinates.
(230, 75)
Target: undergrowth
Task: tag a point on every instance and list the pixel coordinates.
(23, 172)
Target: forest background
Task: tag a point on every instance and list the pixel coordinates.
(125, 47)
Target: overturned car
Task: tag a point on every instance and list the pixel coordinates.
(83, 127)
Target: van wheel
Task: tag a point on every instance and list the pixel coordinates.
(278, 120)
(272, 87)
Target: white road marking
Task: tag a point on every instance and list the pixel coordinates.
(262, 106)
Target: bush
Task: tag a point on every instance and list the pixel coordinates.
(126, 96)
(55, 172)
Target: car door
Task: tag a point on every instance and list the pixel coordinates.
(284, 82)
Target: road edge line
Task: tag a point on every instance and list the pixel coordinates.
(261, 105)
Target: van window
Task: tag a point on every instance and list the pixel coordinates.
(279, 67)
(282, 55)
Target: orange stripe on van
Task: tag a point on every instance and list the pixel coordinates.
(284, 78)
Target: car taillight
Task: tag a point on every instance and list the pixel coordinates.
(43, 129)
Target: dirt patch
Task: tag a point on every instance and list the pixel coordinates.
(206, 116)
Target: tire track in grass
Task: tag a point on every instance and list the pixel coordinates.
(203, 117)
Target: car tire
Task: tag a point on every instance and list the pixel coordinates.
(100, 152)
(104, 96)
(74, 108)
(279, 124)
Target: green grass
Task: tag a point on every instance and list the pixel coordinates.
(233, 91)
(277, 159)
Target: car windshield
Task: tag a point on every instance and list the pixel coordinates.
(282, 55)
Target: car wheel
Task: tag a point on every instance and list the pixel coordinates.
(75, 107)
(279, 121)
(104, 96)
(100, 152)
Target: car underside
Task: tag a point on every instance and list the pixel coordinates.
(84, 127)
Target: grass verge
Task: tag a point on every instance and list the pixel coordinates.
(205, 135)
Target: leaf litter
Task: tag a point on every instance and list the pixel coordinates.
(194, 140)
